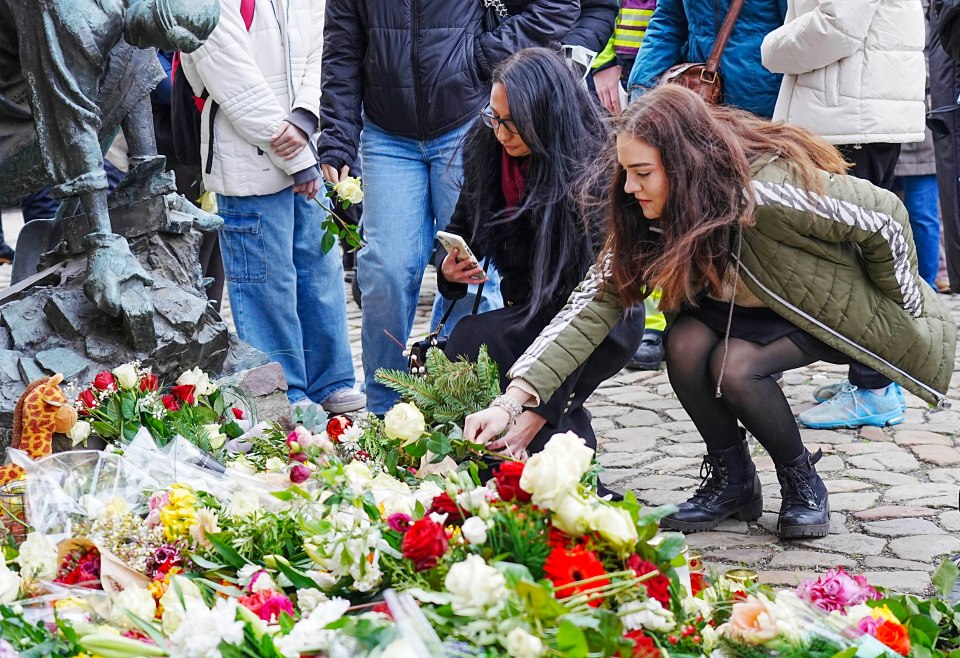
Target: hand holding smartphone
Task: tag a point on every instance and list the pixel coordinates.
(460, 265)
(451, 241)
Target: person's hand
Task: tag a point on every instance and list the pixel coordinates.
(485, 425)
(514, 443)
(332, 175)
(288, 141)
(310, 189)
(607, 83)
(464, 271)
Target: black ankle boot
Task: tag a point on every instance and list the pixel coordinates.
(805, 511)
(730, 487)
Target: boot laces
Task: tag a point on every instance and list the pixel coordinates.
(796, 489)
(713, 478)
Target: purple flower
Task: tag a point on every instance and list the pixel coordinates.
(837, 590)
(399, 522)
(868, 625)
(299, 473)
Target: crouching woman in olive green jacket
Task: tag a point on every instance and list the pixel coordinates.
(769, 258)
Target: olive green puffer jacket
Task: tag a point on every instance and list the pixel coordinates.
(841, 266)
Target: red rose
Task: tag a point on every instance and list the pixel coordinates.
(184, 392)
(643, 645)
(507, 476)
(149, 382)
(104, 381)
(444, 504)
(237, 413)
(170, 403)
(299, 473)
(895, 636)
(424, 543)
(89, 399)
(336, 426)
(658, 587)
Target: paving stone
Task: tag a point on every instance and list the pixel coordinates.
(853, 502)
(788, 578)
(601, 425)
(942, 502)
(924, 547)
(671, 465)
(669, 482)
(893, 512)
(677, 414)
(619, 475)
(845, 486)
(616, 458)
(882, 477)
(915, 491)
(662, 497)
(871, 433)
(937, 454)
(638, 418)
(874, 562)
(920, 437)
(950, 521)
(892, 459)
(728, 540)
(849, 544)
(746, 556)
(732, 525)
(824, 436)
(639, 434)
(904, 582)
(810, 559)
(902, 527)
(944, 475)
(830, 463)
(863, 448)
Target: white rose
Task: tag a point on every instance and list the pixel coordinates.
(79, 432)
(549, 477)
(616, 525)
(309, 599)
(349, 189)
(572, 514)
(199, 379)
(274, 465)
(216, 438)
(135, 600)
(521, 644)
(9, 584)
(244, 503)
(242, 465)
(404, 422)
(359, 475)
(572, 448)
(38, 557)
(474, 585)
(475, 530)
(262, 582)
(126, 376)
(181, 588)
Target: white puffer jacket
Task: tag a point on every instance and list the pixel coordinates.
(257, 77)
(854, 69)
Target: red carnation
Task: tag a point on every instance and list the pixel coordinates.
(237, 413)
(424, 543)
(658, 587)
(507, 476)
(170, 403)
(566, 567)
(89, 399)
(444, 504)
(184, 393)
(643, 645)
(336, 426)
(104, 381)
(299, 473)
(149, 382)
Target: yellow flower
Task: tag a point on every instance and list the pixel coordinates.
(182, 496)
(883, 613)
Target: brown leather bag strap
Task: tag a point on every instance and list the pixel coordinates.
(713, 64)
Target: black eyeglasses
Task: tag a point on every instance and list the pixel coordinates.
(492, 121)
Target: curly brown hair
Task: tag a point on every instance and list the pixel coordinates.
(707, 152)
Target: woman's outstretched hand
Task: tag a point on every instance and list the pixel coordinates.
(514, 443)
(484, 426)
(464, 271)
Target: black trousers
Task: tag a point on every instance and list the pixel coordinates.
(875, 163)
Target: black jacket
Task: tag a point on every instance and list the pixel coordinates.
(948, 26)
(421, 68)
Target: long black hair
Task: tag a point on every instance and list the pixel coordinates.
(563, 128)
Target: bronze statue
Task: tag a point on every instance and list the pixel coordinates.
(72, 72)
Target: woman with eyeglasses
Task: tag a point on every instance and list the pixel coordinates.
(522, 209)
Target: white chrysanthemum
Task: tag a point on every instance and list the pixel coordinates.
(646, 614)
(137, 601)
(206, 523)
(208, 628)
(308, 635)
(38, 557)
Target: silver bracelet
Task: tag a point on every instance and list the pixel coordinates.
(509, 405)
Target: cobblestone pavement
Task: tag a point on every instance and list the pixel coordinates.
(893, 491)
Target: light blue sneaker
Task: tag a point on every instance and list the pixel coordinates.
(827, 391)
(855, 407)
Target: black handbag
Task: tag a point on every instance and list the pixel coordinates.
(417, 354)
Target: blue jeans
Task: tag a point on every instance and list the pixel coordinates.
(286, 295)
(920, 196)
(410, 190)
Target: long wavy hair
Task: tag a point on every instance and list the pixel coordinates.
(563, 128)
(707, 153)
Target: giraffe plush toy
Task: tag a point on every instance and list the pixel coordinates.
(41, 411)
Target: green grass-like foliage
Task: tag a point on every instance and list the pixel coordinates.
(450, 390)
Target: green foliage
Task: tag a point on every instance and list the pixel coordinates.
(523, 538)
(451, 390)
(36, 640)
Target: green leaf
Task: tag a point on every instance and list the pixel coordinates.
(924, 629)
(128, 407)
(539, 601)
(571, 641)
(298, 579)
(226, 551)
(327, 242)
(670, 548)
(846, 653)
(945, 577)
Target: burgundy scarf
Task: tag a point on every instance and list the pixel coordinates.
(513, 178)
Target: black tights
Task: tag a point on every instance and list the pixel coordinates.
(750, 394)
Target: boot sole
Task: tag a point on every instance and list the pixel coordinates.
(804, 531)
(752, 512)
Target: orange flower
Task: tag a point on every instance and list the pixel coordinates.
(895, 636)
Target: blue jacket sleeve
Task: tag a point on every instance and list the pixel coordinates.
(662, 47)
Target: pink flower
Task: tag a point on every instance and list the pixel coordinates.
(869, 625)
(399, 522)
(299, 473)
(273, 606)
(837, 590)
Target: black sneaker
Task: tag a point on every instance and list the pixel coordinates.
(650, 353)
(6, 254)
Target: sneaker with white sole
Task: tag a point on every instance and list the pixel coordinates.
(827, 391)
(855, 407)
(344, 401)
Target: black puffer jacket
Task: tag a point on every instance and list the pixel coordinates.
(420, 68)
(948, 25)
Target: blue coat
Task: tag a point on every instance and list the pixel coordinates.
(684, 31)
